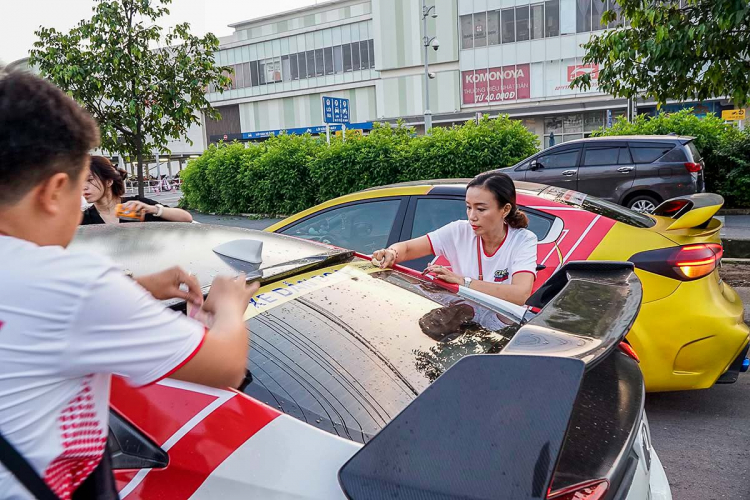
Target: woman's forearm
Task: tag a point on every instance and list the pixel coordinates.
(517, 294)
(176, 215)
(412, 249)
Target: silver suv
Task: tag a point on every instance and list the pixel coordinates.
(638, 172)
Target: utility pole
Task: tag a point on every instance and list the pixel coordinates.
(435, 44)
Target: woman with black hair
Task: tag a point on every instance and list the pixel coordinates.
(104, 189)
(491, 252)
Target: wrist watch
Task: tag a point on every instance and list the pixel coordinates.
(159, 210)
(467, 282)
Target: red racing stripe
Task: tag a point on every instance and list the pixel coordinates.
(194, 457)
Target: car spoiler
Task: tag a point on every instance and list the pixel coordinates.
(493, 426)
(693, 211)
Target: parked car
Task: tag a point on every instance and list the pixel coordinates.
(361, 381)
(690, 332)
(638, 172)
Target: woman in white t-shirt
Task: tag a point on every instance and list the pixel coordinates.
(491, 252)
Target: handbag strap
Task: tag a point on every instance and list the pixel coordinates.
(26, 475)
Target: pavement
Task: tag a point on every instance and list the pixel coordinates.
(736, 227)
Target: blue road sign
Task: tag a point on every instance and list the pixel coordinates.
(335, 110)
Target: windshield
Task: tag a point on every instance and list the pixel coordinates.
(597, 206)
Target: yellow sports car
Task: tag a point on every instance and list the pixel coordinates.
(690, 332)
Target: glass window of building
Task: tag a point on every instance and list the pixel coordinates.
(254, 75)
(583, 15)
(302, 62)
(552, 17)
(338, 60)
(328, 56)
(310, 56)
(480, 29)
(592, 120)
(286, 69)
(509, 25)
(522, 23)
(248, 76)
(493, 27)
(364, 55)
(319, 66)
(467, 32)
(599, 7)
(537, 21)
(293, 66)
(347, 57)
(615, 7)
(355, 56)
(371, 47)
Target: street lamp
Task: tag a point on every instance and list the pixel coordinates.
(435, 44)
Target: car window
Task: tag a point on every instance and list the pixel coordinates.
(593, 157)
(362, 227)
(694, 152)
(649, 152)
(348, 354)
(676, 155)
(597, 206)
(434, 213)
(538, 225)
(563, 159)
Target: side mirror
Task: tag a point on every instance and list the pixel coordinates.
(534, 165)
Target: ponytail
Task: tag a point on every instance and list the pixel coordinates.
(517, 219)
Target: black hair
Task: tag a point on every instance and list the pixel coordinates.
(43, 132)
(502, 187)
(102, 169)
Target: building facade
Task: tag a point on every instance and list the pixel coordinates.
(513, 57)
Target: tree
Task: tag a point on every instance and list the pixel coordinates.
(687, 50)
(144, 87)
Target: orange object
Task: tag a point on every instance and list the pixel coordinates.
(129, 214)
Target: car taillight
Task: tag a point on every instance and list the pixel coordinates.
(592, 490)
(628, 349)
(693, 167)
(685, 263)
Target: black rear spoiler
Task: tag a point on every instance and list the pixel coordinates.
(587, 309)
(493, 426)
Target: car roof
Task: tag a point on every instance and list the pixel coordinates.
(154, 246)
(449, 186)
(651, 138)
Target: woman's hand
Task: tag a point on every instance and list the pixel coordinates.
(139, 207)
(445, 274)
(166, 285)
(384, 258)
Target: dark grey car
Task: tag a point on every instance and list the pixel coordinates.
(638, 172)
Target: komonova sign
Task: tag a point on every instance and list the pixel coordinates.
(496, 84)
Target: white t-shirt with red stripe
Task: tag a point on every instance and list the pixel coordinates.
(67, 322)
(458, 244)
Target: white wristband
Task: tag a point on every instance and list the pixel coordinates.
(159, 210)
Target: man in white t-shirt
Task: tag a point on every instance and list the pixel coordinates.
(491, 252)
(68, 321)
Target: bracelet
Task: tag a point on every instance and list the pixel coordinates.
(394, 251)
(159, 210)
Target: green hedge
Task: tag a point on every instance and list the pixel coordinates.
(289, 173)
(725, 150)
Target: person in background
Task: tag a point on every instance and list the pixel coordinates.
(69, 320)
(491, 252)
(104, 188)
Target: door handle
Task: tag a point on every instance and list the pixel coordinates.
(569, 172)
(625, 170)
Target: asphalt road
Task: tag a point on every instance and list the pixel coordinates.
(702, 437)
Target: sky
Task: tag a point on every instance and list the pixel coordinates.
(20, 18)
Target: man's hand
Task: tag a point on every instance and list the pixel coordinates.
(230, 295)
(166, 285)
